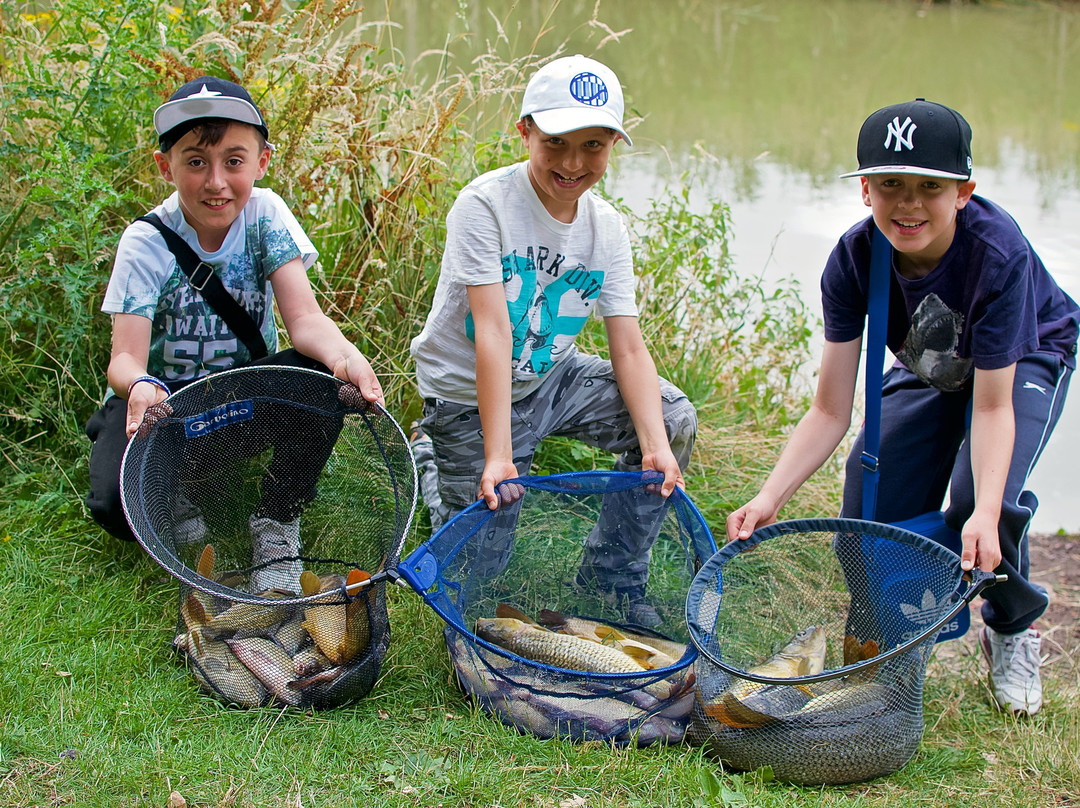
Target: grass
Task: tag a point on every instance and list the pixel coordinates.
(98, 712)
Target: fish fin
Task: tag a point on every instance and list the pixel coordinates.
(721, 711)
(205, 566)
(552, 619)
(608, 633)
(309, 582)
(354, 579)
(641, 654)
(506, 610)
(194, 612)
(195, 634)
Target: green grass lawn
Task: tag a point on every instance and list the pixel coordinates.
(98, 712)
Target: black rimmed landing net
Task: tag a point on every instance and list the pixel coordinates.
(277, 497)
(814, 637)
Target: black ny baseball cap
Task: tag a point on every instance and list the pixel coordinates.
(916, 137)
(206, 97)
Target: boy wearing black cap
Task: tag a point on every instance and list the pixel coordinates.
(530, 254)
(213, 148)
(977, 326)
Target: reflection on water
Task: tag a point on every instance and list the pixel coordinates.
(759, 104)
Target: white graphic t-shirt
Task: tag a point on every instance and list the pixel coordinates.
(555, 275)
(188, 339)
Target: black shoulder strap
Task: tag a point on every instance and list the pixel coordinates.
(205, 281)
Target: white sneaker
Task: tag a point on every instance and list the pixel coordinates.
(271, 540)
(1014, 669)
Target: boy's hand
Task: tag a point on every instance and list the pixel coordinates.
(664, 462)
(982, 547)
(758, 512)
(141, 398)
(494, 477)
(356, 370)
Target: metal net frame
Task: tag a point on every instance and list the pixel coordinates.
(280, 500)
(526, 557)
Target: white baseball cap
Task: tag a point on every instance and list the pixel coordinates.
(574, 92)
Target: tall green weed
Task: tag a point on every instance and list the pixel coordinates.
(369, 153)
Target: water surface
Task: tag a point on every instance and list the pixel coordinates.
(759, 104)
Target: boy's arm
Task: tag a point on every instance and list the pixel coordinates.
(814, 439)
(494, 341)
(130, 350)
(993, 428)
(317, 336)
(635, 373)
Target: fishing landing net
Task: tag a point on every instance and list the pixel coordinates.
(277, 497)
(538, 638)
(814, 636)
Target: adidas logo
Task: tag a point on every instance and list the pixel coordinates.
(926, 612)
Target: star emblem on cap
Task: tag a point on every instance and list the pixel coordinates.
(205, 92)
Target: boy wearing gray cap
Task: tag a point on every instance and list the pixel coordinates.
(531, 252)
(165, 333)
(985, 343)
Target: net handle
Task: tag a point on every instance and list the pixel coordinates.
(971, 584)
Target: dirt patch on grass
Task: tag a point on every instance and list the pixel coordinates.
(1055, 565)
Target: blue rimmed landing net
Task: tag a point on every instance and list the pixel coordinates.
(545, 602)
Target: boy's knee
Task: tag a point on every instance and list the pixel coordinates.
(681, 423)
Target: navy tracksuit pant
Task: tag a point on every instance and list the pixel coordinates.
(925, 451)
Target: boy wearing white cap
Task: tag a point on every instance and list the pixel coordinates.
(530, 254)
(212, 148)
(985, 342)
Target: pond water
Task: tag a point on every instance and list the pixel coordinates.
(758, 104)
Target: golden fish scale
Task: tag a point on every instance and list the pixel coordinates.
(566, 651)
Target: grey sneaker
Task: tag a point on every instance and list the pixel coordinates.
(189, 527)
(272, 540)
(1014, 669)
(638, 610)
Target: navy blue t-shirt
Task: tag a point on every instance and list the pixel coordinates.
(988, 303)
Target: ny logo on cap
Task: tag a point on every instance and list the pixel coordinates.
(588, 88)
(896, 128)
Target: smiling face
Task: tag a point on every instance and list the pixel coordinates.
(563, 167)
(214, 180)
(918, 215)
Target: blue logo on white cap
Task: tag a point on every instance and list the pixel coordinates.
(588, 88)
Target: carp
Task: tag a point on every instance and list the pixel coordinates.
(558, 650)
(752, 704)
(651, 652)
(270, 665)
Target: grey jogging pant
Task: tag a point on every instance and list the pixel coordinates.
(578, 399)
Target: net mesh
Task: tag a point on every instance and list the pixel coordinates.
(557, 647)
(274, 494)
(840, 615)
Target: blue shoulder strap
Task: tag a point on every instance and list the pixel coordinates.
(877, 315)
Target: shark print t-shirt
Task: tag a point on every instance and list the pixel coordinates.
(187, 338)
(555, 276)
(988, 303)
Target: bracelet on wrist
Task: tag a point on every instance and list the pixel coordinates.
(152, 380)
